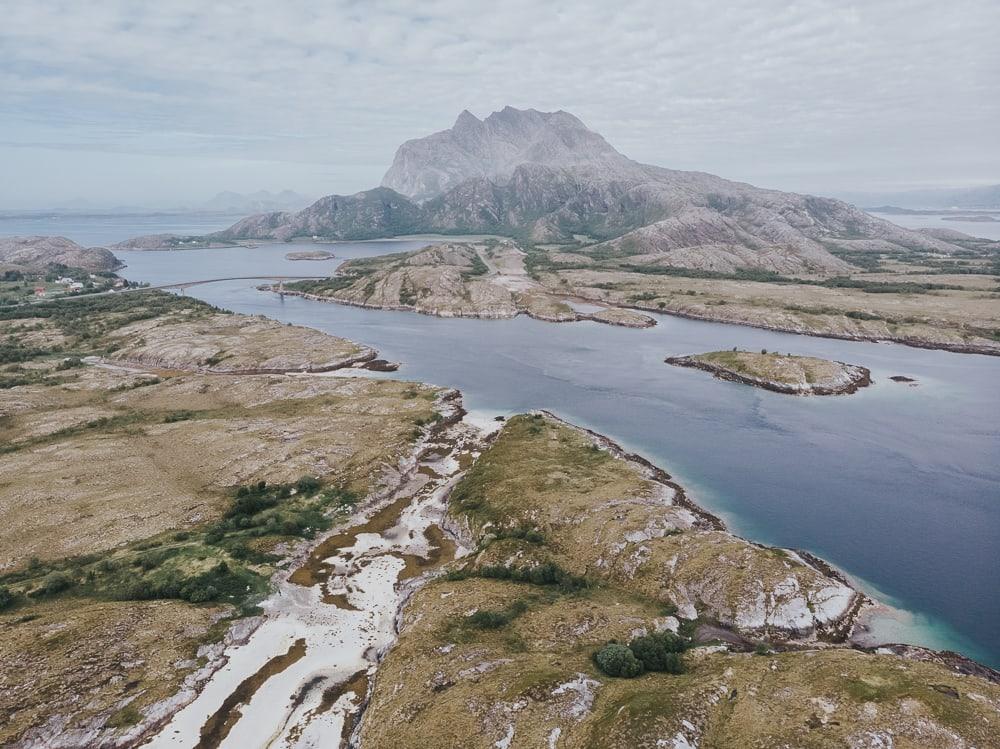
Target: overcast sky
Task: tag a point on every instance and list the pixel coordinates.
(122, 102)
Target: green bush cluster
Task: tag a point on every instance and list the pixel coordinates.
(547, 574)
(521, 533)
(220, 582)
(661, 652)
(493, 619)
(7, 597)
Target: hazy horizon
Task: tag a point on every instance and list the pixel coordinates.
(166, 106)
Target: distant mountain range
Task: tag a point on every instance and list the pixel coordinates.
(967, 198)
(545, 178)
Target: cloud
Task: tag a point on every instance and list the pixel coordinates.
(788, 94)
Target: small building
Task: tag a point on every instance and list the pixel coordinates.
(65, 281)
(76, 286)
(39, 291)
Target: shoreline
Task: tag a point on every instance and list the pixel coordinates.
(838, 633)
(724, 373)
(578, 316)
(953, 348)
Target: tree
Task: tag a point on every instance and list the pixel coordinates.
(659, 652)
(616, 659)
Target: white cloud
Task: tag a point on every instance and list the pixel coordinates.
(805, 94)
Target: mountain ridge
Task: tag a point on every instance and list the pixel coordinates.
(545, 178)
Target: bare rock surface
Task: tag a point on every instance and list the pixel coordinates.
(37, 253)
(234, 344)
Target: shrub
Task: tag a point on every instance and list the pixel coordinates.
(490, 619)
(56, 582)
(7, 597)
(615, 659)
(71, 363)
(307, 485)
(487, 619)
(659, 652)
(200, 593)
(214, 535)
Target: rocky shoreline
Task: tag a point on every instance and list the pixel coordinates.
(955, 348)
(856, 377)
(366, 360)
(620, 321)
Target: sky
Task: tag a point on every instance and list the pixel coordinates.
(134, 103)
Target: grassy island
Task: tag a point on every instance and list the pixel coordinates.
(782, 373)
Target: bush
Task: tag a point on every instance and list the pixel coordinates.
(659, 652)
(200, 593)
(307, 485)
(615, 659)
(56, 582)
(489, 619)
(71, 363)
(7, 597)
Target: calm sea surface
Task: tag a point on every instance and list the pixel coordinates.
(899, 486)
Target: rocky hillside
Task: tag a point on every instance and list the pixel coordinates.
(546, 178)
(37, 253)
(494, 148)
(601, 609)
(487, 280)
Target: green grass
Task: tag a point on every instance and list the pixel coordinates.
(216, 562)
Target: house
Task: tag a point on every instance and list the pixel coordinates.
(64, 281)
(39, 291)
(76, 286)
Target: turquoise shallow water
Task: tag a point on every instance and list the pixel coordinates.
(897, 485)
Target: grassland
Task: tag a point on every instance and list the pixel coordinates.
(547, 493)
(142, 510)
(577, 546)
(963, 316)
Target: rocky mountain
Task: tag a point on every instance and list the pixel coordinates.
(495, 147)
(544, 178)
(37, 253)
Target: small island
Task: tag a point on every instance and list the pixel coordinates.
(310, 255)
(782, 373)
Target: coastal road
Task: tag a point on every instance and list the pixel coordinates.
(179, 285)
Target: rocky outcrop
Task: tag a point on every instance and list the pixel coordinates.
(454, 280)
(792, 375)
(38, 253)
(493, 148)
(229, 344)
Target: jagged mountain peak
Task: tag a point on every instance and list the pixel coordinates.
(495, 147)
